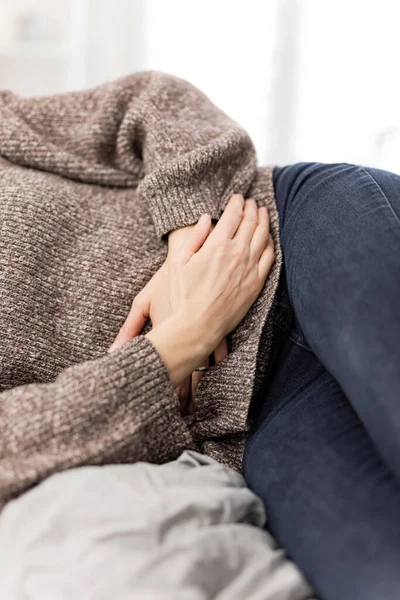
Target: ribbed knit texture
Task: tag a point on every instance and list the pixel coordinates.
(90, 183)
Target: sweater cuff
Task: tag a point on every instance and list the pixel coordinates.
(179, 192)
(152, 397)
(175, 207)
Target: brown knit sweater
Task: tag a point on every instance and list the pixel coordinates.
(90, 183)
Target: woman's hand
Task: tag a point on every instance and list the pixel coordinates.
(217, 276)
(153, 302)
(231, 265)
(214, 279)
(187, 390)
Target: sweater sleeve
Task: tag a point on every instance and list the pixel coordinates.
(95, 412)
(150, 131)
(195, 156)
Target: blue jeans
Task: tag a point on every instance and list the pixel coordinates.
(324, 450)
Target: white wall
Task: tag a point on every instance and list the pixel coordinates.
(25, 67)
(348, 99)
(114, 44)
(308, 79)
(224, 47)
(55, 15)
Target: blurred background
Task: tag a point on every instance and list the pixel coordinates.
(308, 79)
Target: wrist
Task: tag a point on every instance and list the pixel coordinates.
(201, 339)
(180, 346)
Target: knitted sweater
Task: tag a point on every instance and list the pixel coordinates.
(90, 184)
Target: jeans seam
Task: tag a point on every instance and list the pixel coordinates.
(295, 341)
(382, 192)
(291, 336)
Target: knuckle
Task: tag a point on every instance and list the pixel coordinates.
(264, 232)
(237, 214)
(271, 254)
(137, 301)
(125, 329)
(139, 304)
(234, 262)
(251, 212)
(220, 247)
(239, 252)
(238, 255)
(264, 228)
(252, 220)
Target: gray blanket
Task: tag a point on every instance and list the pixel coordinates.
(189, 530)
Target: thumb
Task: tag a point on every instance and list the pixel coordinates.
(196, 238)
(134, 322)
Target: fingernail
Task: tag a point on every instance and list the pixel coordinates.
(203, 219)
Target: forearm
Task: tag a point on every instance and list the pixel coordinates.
(120, 406)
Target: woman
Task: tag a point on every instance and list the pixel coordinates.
(324, 450)
(98, 190)
(140, 161)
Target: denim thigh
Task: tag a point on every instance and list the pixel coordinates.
(331, 501)
(340, 235)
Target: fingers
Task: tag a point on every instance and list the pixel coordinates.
(220, 353)
(196, 239)
(196, 378)
(267, 259)
(261, 234)
(230, 220)
(134, 322)
(183, 393)
(248, 224)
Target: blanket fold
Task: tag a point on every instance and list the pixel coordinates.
(188, 529)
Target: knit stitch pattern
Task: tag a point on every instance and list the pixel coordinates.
(91, 183)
